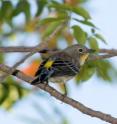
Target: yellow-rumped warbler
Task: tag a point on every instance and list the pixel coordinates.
(62, 65)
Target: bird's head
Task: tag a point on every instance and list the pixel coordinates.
(80, 52)
(84, 53)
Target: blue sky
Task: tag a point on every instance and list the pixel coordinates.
(96, 94)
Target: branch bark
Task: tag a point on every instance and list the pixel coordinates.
(35, 48)
(79, 106)
(99, 57)
(107, 53)
(17, 49)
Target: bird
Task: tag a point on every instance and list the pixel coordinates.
(62, 65)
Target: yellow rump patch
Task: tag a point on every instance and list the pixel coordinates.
(48, 64)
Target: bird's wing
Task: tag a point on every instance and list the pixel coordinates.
(43, 74)
(60, 65)
(64, 68)
(57, 65)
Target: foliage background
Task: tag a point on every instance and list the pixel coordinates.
(15, 34)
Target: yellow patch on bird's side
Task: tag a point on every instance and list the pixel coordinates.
(83, 58)
(48, 64)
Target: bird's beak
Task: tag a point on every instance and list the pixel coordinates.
(91, 51)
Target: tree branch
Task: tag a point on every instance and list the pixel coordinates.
(17, 49)
(79, 106)
(107, 53)
(35, 48)
(99, 57)
(111, 51)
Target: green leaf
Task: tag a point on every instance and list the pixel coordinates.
(50, 20)
(10, 92)
(103, 68)
(1, 54)
(1, 58)
(65, 121)
(86, 72)
(86, 22)
(23, 6)
(6, 10)
(19, 89)
(4, 89)
(93, 43)
(52, 26)
(82, 12)
(57, 5)
(41, 4)
(65, 7)
(100, 37)
(79, 34)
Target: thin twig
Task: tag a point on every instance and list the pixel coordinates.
(99, 57)
(16, 49)
(109, 51)
(35, 48)
(79, 106)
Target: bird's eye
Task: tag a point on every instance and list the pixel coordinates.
(80, 50)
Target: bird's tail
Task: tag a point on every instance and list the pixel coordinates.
(35, 81)
(42, 77)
